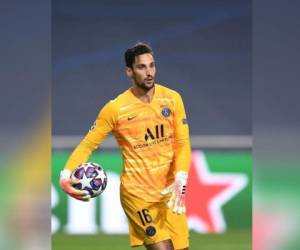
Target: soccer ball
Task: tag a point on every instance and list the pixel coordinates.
(91, 177)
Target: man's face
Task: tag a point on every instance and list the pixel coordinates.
(143, 71)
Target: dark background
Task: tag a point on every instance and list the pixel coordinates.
(202, 49)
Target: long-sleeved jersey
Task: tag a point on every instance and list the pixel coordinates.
(153, 138)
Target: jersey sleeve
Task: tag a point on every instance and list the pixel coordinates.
(104, 124)
(182, 145)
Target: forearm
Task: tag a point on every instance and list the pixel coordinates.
(81, 154)
(182, 155)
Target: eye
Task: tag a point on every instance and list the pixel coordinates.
(140, 66)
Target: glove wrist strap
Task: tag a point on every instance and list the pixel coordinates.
(182, 176)
(65, 174)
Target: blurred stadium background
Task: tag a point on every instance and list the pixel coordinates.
(202, 50)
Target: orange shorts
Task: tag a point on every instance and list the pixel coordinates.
(150, 223)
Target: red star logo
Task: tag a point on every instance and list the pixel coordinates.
(207, 193)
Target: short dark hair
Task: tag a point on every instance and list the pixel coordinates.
(138, 49)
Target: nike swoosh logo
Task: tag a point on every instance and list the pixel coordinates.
(131, 117)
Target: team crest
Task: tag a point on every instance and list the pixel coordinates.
(166, 112)
(150, 231)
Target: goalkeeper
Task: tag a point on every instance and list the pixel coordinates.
(149, 122)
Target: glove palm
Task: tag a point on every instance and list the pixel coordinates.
(177, 190)
(66, 183)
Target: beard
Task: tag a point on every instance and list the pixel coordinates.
(145, 85)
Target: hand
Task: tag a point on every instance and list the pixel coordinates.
(177, 189)
(66, 183)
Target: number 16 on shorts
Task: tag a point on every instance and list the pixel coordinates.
(145, 216)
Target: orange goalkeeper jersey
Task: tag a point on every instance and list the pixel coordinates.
(153, 138)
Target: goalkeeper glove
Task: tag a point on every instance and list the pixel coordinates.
(66, 183)
(177, 190)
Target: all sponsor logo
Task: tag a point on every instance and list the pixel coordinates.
(154, 136)
(158, 133)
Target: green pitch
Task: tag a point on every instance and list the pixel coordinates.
(231, 240)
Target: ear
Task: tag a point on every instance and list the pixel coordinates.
(129, 72)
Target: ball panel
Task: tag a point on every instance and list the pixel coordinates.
(79, 173)
(77, 185)
(90, 190)
(91, 172)
(96, 184)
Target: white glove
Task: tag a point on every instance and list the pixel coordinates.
(178, 188)
(66, 183)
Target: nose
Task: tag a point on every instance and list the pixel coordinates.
(149, 72)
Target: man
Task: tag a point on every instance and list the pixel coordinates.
(150, 125)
